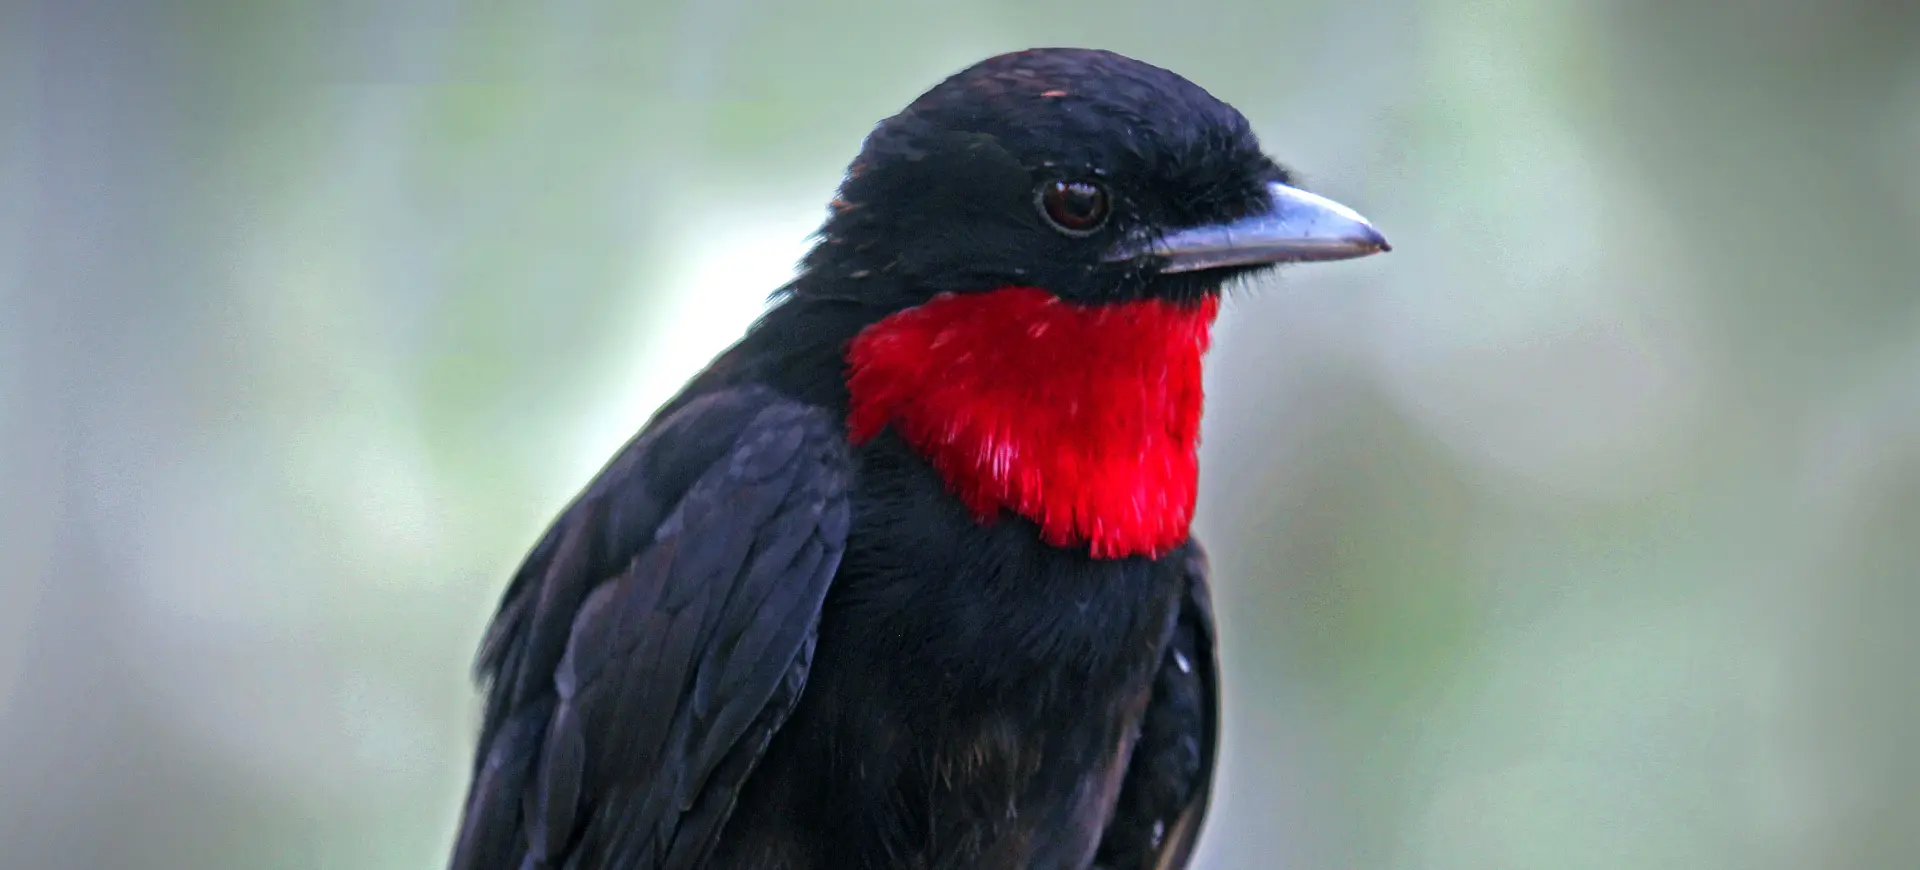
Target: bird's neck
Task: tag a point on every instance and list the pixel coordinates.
(1084, 419)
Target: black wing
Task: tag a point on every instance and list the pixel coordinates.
(1169, 781)
(655, 639)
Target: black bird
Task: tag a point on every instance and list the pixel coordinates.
(903, 579)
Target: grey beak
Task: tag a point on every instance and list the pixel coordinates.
(1298, 227)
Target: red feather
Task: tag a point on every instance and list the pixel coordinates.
(1082, 418)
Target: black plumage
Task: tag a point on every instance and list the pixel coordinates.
(647, 655)
(751, 644)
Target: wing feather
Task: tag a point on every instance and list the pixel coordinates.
(656, 638)
(1169, 781)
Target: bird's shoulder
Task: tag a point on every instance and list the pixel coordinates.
(622, 510)
(658, 634)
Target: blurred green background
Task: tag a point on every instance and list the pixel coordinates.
(1582, 531)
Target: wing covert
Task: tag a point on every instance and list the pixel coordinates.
(1169, 780)
(656, 638)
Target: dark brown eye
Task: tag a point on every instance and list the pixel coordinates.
(1075, 207)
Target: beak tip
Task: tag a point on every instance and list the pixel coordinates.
(1361, 241)
(1371, 242)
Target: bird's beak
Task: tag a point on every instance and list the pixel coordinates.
(1297, 227)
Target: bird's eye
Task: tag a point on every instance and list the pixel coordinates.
(1075, 207)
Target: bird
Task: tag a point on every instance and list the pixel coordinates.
(905, 577)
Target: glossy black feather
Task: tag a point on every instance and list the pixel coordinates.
(751, 646)
(654, 643)
(964, 696)
(1169, 783)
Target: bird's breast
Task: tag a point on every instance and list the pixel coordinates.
(975, 690)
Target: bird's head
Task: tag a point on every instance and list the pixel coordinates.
(1092, 175)
(1037, 247)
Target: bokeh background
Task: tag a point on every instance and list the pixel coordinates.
(1582, 531)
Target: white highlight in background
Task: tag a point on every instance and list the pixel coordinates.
(729, 255)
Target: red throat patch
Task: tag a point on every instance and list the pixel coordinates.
(1084, 419)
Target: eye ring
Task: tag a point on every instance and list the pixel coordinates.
(1075, 207)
